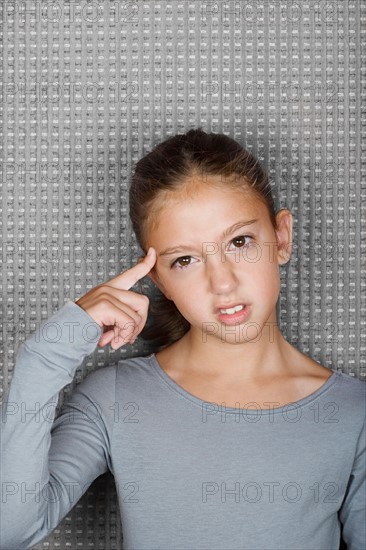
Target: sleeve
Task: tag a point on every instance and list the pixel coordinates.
(352, 513)
(47, 465)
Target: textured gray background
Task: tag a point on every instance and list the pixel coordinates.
(90, 87)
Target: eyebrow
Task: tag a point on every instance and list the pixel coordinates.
(228, 231)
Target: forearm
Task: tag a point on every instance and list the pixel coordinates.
(45, 364)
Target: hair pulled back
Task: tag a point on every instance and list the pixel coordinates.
(166, 169)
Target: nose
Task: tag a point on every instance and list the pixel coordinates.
(221, 276)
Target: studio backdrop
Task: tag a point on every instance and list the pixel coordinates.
(89, 87)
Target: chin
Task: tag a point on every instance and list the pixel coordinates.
(225, 335)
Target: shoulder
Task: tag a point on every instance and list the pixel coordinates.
(346, 391)
(137, 378)
(349, 394)
(102, 374)
(348, 385)
(95, 395)
(354, 394)
(105, 378)
(99, 383)
(137, 365)
(352, 387)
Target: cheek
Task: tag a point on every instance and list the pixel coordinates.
(184, 290)
(188, 304)
(262, 272)
(171, 285)
(270, 277)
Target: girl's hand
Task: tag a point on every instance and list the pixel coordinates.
(122, 313)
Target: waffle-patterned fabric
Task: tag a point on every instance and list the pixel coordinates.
(90, 87)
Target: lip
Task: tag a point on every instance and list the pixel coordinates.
(235, 318)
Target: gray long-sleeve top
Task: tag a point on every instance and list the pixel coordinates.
(189, 474)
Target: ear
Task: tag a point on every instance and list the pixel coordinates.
(284, 235)
(155, 278)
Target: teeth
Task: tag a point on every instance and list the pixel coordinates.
(232, 310)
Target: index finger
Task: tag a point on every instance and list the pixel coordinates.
(130, 277)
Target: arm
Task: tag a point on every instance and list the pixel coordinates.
(46, 466)
(352, 513)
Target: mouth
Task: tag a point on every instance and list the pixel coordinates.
(230, 308)
(232, 314)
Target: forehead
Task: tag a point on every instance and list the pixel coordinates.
(208, 210)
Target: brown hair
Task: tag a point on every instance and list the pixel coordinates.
(166, 169)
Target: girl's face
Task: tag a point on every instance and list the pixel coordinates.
(218, 249)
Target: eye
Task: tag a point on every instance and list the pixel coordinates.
(239, 241)
(182, 262)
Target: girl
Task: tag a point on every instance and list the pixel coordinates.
(227, 436)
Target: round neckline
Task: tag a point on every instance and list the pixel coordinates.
(200, 402)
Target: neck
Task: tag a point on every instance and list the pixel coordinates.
(257, 357)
